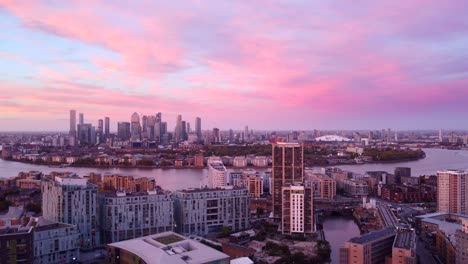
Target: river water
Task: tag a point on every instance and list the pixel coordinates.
(337, 231)
(176, 179)
(436, 159)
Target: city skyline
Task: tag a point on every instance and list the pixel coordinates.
(273, 66)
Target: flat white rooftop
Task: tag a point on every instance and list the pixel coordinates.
(170, 247)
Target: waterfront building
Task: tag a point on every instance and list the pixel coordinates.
(217, 172)
(402, 172)
(324, 187)
(371, 248)
(167, 247)
(199, 160)
(55, 242)
(297, 209)
(126, 216)
(254, 185)
(239, 162)
(292, 196)
(260, 161)
(355, 187)
(207, 211)
(70, 199)
(126, 184)
(452, 191)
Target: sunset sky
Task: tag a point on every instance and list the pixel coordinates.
(267, 64)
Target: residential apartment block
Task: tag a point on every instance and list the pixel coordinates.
(207, 211)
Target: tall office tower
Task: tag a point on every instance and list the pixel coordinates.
(81, 119)
(178, 129)
(122, 219)
(198, 128)
(72, 133)
(441, 136)
(461, 238)
(206, 211)
(217, 172)
(290, 189)
(72, 122)
(144, 123)
(100, 126)
(107, 126)
(123, 130)
(100, 131)
(150, 127)
(372, 247)
(189, 129)
(246, 133)
(231, 136)
(157, 126)
(401, 172)
(452, 191)
(86, 134)
(72, 200)
(135, 127)
(163, 128)
(216, 136)
(183, 133)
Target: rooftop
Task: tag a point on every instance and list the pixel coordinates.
(198, 190)
(373, 236)
(13, 213)
(405, 239)
(169, 247)
(332, 138)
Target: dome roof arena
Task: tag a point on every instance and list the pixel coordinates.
(332, 138)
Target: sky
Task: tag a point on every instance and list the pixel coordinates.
(275, 65)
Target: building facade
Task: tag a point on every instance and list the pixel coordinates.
(452, 191)
(217, 172)
(298, 209)
(72, 200)
(55, 242)
(292, 196)
(207, 211)
(370, 248)
(131, 216)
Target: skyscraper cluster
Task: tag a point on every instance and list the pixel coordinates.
(182, 131)
(146, 127)
(87, 134)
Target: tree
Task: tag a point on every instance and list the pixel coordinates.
(225, 231)
(260, 211)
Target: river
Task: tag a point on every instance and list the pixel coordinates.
(176, 179)
(337, 231)
(436, 159)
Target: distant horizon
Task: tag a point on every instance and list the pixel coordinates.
(266, 130)
(295, 64)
